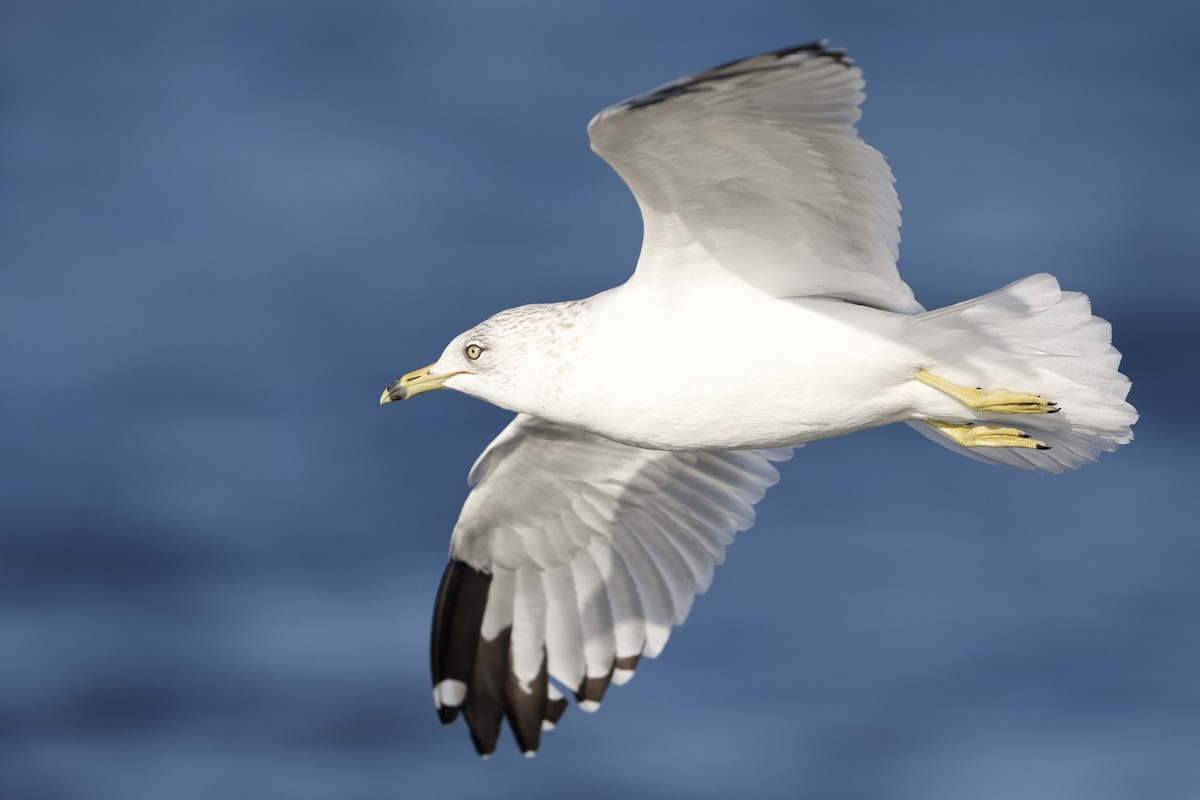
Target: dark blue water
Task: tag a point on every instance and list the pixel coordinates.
(224, 227)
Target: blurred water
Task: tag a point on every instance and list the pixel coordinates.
(226, 226)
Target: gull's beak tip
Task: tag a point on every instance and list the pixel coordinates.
(396, 390)
(413, 384)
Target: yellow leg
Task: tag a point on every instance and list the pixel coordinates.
(985, 435)
(999, 401)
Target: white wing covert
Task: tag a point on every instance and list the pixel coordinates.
(754, 170)
(575, 555)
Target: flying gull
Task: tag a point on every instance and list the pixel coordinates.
(765, 311)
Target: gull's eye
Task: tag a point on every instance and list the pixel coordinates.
(474, 351)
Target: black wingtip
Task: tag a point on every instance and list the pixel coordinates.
(527, 709)
(593, 688)
(819, 47)
(555, 708)
(457, 618)
(696, 83)
(627, 663)
(475, 677)
(487, 697)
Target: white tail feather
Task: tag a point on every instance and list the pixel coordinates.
(1032, 336)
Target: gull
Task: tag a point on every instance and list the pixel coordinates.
(765, 311)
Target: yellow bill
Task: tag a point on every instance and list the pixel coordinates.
(414, 383)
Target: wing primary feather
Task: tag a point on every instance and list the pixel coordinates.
(623, 669)
(596, 625)
(487, 691)
(556, 704)
(564, 638)
(527, 707)
(457, 616)
(487, 698)
(527, 680)
(593, 691)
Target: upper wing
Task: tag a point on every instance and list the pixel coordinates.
(573, 556)
(754, 169)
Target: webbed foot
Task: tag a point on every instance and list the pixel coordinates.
(998, 401)
(984, 435)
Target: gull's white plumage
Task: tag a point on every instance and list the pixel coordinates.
(765, 311)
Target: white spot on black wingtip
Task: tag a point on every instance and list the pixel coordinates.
(457, 617)
(590, 706)
(449, 693)
(529, 753)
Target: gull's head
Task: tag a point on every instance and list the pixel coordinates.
(514, 359)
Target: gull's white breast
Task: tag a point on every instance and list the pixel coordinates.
(694, 369)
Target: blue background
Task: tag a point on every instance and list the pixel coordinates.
(225, 226)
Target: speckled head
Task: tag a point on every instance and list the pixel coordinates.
(515, 359)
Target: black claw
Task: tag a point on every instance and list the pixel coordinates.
(1043, 446)
(1022, 435)
(1054, 411)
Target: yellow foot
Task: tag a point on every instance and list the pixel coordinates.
(999, 401)
(985, 435)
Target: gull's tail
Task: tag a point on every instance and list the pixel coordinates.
(1031, 336)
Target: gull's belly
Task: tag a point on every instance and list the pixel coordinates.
(785, 372)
